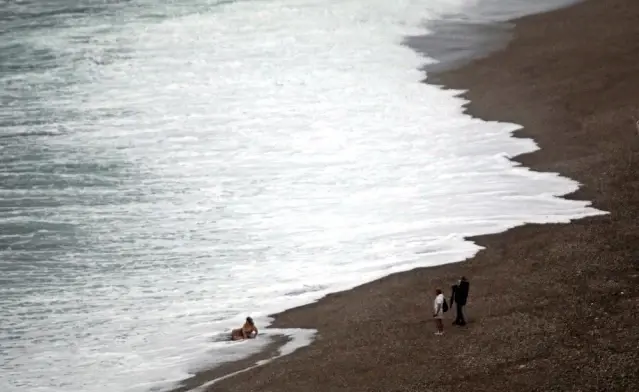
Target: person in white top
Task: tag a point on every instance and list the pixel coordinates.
(438, 312)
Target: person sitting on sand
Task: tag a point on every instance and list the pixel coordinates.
(248, 331)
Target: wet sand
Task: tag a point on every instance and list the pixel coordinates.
(206, 376)
(551, 307)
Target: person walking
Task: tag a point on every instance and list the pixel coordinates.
(460, 297)
(438, 311)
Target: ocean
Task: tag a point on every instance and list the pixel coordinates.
(171, 167)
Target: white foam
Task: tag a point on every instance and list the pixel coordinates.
(298, 338)
(253, 157)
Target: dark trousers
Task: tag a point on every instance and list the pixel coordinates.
(459, 320)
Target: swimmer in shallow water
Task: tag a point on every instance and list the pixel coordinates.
(248, 331)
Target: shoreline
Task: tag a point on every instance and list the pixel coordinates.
(378, 310)
(487, 31)
(205, 377)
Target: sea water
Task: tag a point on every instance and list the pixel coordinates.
(170, 167)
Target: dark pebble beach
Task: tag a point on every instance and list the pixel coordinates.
(552, 307)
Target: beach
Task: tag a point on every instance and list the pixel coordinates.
(552, 307)
(170, 168)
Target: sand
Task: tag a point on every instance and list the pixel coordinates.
(206, 376)
(551, 307)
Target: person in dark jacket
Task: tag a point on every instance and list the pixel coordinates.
(459, 297)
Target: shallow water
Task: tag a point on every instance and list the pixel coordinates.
(171, 167)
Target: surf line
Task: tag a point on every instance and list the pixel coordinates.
(298, 338)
